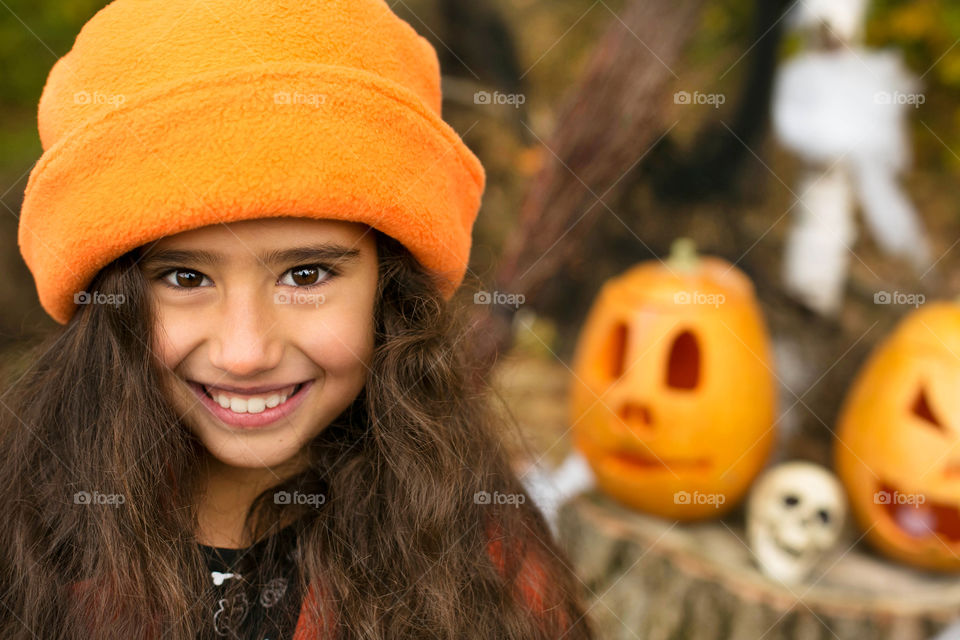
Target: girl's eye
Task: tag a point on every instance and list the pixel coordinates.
(304, 276)
(184, 278)
(307, 276)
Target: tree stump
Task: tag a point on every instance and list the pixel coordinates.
(656, 579)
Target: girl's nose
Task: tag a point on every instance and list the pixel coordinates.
(245, 342)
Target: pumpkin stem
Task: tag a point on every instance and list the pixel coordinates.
(683, 254)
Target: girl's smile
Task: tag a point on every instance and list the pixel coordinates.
(259, 407)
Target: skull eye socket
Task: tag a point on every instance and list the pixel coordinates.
(921, 408)
(824, 516)
(683, 365)
(791, 500)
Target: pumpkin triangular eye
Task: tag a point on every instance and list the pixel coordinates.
(683, 365)
(921, 408)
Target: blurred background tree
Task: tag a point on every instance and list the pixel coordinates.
(928, 33)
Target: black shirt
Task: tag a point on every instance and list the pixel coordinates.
(267, 607)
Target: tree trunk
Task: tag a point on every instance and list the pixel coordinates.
(656, 579)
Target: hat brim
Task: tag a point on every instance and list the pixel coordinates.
(305, 140)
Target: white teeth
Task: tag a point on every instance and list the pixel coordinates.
(252, 404)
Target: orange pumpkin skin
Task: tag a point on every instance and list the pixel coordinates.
(898, 433)
(673, 389)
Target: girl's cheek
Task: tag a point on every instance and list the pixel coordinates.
(174, 337)
(341, 344)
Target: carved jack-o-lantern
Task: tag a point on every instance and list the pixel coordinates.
(673, 396)
(898, 441)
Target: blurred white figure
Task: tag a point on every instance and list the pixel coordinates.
(950, 633)
(845, 111)
(816, 258)
(550, 488)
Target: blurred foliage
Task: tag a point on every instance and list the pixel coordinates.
(725, 25)
(927, 31)
(32, 36)
(928, 34)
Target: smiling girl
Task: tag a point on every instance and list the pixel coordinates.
(258, 420)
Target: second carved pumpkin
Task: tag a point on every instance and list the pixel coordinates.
(898, 441)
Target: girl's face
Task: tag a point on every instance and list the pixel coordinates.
(267, 326)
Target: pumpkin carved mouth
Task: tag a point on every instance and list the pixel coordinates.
(920, 517)
(654, 463)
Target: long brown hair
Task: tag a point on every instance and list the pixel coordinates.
(399, 545)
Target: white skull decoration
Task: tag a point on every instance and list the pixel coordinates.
(795, 515)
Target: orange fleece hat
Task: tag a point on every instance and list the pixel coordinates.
(169, 115)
